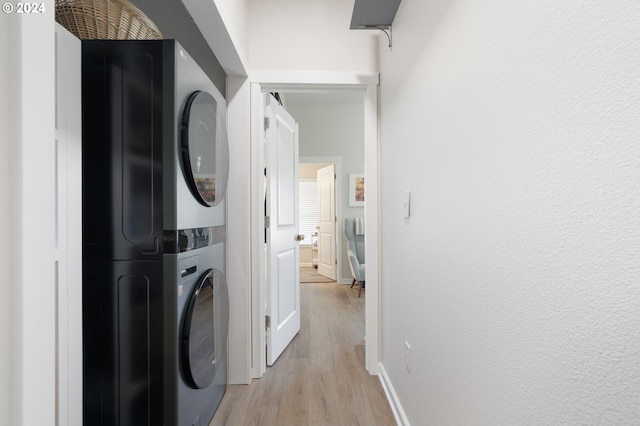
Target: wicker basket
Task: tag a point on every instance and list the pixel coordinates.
(105, 20)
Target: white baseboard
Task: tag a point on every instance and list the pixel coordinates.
(306, 265)
(394, 402)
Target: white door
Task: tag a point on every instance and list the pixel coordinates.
(283, 252)
(327, 221)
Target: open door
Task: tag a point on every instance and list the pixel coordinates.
(327, 261)
(283, 251)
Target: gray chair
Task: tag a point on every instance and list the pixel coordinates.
(354, 232)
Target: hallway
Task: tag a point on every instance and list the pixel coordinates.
(320, 378)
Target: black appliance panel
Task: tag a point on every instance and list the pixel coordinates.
(122, 150)
(122, 343)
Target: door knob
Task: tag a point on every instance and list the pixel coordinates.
(299, 237)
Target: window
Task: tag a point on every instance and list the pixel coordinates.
(308, 209)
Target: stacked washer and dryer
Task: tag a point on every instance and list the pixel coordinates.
(155, 299)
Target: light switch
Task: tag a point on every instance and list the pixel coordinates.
(406, 204)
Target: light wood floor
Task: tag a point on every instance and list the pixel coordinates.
(320, 378)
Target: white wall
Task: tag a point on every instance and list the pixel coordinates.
(234, 14)
(308, 35)
(306, 257)
(334, 131)
(517, 278)
(27, 196)
(310, 170)
(5, 226)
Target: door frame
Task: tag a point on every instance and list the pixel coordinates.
(269, 81)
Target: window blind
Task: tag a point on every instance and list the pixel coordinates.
(308, 209)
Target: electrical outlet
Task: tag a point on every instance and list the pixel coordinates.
(407, 356)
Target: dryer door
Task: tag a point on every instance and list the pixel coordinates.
(205, 151)
(198, 350)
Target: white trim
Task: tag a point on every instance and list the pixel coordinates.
(258, 248)
(373, 305)
(239, 256)
(392, 397)
(302, 80)
(281, 80)
(320, 160)
(69, 226)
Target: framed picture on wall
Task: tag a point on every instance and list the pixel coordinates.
(356, 190)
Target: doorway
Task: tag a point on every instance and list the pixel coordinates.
(320, 182)
(305, 81)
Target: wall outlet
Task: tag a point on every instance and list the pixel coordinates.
(407, 356)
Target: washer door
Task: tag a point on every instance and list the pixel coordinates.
(198, 334)
(205, 151)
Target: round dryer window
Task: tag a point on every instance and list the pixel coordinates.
(198, 334)
(204, 148)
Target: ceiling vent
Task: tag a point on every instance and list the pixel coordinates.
(374, 15)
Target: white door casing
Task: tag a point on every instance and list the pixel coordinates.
(327, 222)
(68, 226)
(283, 251)
(268, 80)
